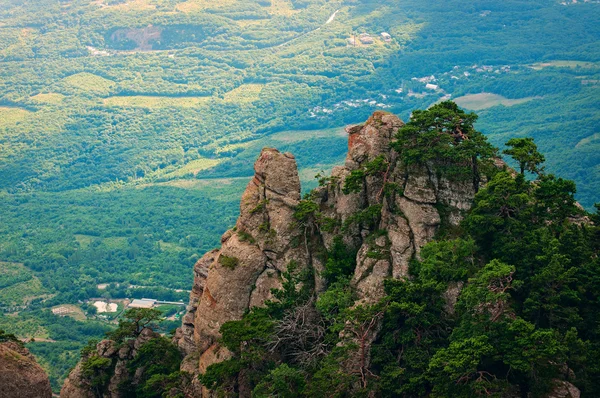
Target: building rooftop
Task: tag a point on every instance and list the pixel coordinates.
(142, 303)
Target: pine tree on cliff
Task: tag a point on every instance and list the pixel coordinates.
(525, 152)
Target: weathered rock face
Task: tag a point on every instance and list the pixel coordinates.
(564, 389)
(75, 385)
(20, 375)
(184, 336)
(410, 199)
(405, 202)
(250, 262)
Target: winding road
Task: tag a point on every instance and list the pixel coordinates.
(330, 20)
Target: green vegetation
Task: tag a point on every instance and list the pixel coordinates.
(18, 286)
(96, 372)
(228, 262)
(444, 134)
(128, 129)
(8, 337)
(132, 323)
(477, 102)
(525, 281)
(525, 152)
(160, 360)
(354, 182)
(155, 365)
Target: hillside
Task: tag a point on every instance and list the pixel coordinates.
(120, 119)
(422, 266)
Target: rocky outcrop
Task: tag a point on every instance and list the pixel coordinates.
(393, 211)
(184, 336)
(379, 205)
(20, 375)
(564, 389)
(251, 260)
(76, 386)
(414, 201)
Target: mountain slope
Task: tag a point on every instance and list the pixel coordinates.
(423, 265)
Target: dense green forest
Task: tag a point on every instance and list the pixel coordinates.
(128, 129)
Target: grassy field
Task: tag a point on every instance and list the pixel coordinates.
(199, 5)
(84, 240)
(303, 135)
(282, 7)
(22, 293)
(143, 101)
(481, 101)
(193, 168)
(10, 116)
(23, 328)
(564, 64)
(130, 5)
(588, 140)
(115, 242)
(48, 98)
(88, 82)
(18, 285)
(244, 93)
(12, 273)
(215, 184)
(165, 246)
(111, 243)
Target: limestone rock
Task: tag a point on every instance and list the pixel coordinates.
(253, 255)
(20, 375)
(237, 267)
(395, 212)
(450, 296)
(184, 336)
(564, 389)
(75, 386)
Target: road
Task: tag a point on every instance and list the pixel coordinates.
(330, 20)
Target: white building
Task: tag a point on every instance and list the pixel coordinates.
(386, 36)
(142, 303)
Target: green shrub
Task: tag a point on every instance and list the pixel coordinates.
(228, 262)
(366, 218)
(246, 237)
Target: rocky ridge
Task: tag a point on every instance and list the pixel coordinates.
(410, 203)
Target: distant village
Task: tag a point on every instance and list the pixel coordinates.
(111, 309)
(416, 87)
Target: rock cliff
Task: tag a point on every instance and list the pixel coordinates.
(408, 203)
(20, 374)
(378, 205)
(118, 356)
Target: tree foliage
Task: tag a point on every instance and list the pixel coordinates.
(506, 306)
(132, 323)
(442, 133)
(525, 152)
